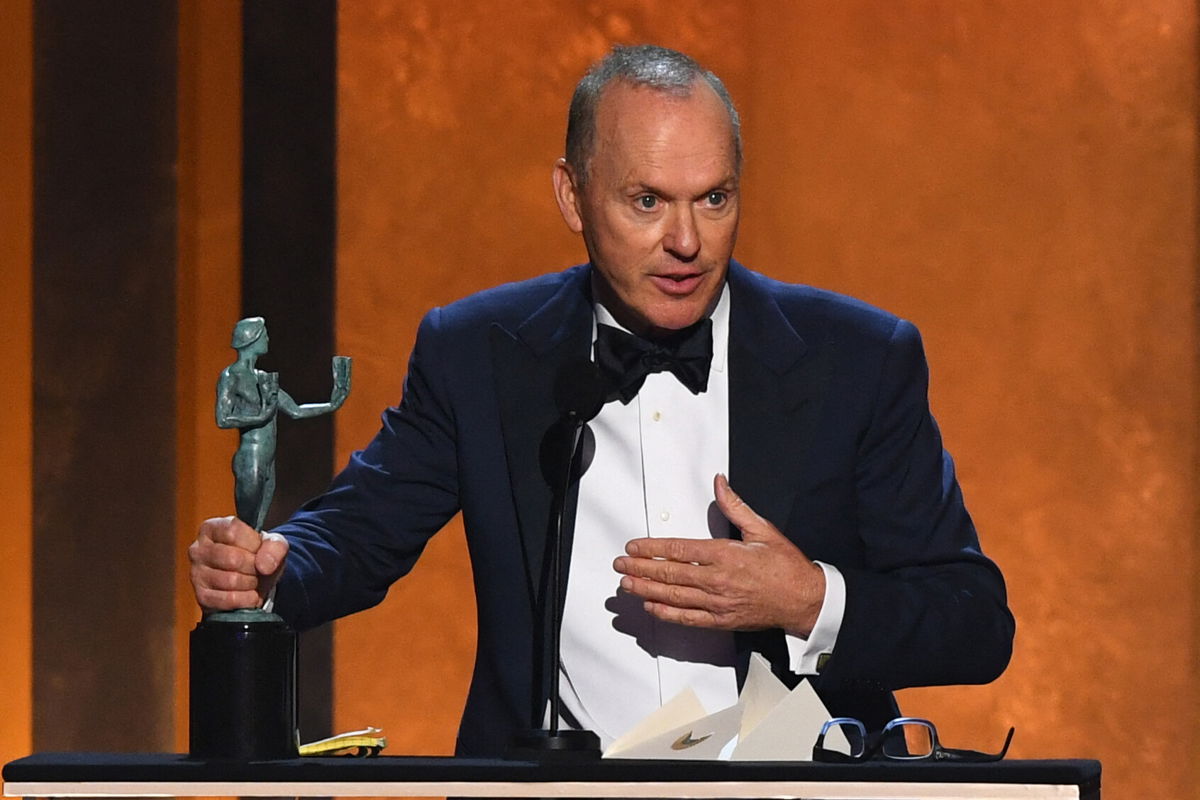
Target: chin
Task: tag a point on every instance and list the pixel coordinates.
(675, 319)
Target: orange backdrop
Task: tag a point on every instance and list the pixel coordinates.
(1018, 179)
(16, 388)
(208, 285)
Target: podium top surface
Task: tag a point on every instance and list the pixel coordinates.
(126, 774)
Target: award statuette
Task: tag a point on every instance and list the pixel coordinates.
(243, 663)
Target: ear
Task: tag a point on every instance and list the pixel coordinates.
(566, 194)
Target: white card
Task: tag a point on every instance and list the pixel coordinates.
(781, 727)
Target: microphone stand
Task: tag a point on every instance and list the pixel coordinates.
(580, 392)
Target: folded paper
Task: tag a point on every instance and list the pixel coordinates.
(768, 723)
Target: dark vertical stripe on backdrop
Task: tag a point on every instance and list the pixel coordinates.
(289, 230)
(104, 144)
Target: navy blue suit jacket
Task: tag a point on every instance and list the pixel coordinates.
(830, 438)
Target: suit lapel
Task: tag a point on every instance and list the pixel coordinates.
(776, 380)
(526, 361)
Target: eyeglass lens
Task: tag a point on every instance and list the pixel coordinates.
(846, 736)
(908, 739)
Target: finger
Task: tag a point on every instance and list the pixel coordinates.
(676, 573)
(669, 594)
(231, 531)
(224, 580)
(270, 556)
(222, 590)
(692, 617)
(741, 515)
(691, 551)
(221, 557)
(220, 600)
(213, 529)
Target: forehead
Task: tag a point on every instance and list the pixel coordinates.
(643, 129)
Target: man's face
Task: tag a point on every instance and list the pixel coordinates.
(659, 211)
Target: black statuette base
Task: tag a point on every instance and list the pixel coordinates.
(243, 688)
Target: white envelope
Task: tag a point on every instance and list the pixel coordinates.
(768, 723)
(675, 732)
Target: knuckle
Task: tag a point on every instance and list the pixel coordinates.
(234, 582)
(226, 558)
(677, 550)
(218, 529)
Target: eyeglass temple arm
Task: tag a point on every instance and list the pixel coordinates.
(954, 753)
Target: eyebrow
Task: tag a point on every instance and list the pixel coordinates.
(726, 184)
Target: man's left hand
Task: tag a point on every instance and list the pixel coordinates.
(762, 581)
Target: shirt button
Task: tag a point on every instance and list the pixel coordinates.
(664, 516)
(656, 416)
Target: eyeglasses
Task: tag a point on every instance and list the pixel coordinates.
(902, 739)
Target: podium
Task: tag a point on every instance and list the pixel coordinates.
(133, 775)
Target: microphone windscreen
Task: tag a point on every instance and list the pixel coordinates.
(580, 390)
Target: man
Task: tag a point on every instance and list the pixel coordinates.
(845, 554)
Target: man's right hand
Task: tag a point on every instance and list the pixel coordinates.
(233, 566)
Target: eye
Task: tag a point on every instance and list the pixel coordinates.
(716, 199)
(647, 202)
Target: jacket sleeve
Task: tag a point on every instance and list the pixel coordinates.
(925, 606)
(350, 544)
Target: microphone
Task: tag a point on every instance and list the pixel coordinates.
(580, 390)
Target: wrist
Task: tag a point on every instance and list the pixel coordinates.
(803, 612)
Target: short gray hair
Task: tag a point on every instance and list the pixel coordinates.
(642, 65)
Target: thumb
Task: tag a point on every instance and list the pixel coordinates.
(271, 554)
(753, 527)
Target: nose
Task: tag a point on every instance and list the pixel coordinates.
(681, 238)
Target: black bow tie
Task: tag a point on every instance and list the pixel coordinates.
(627, 359)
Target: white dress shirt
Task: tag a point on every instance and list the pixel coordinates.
(651, 471)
